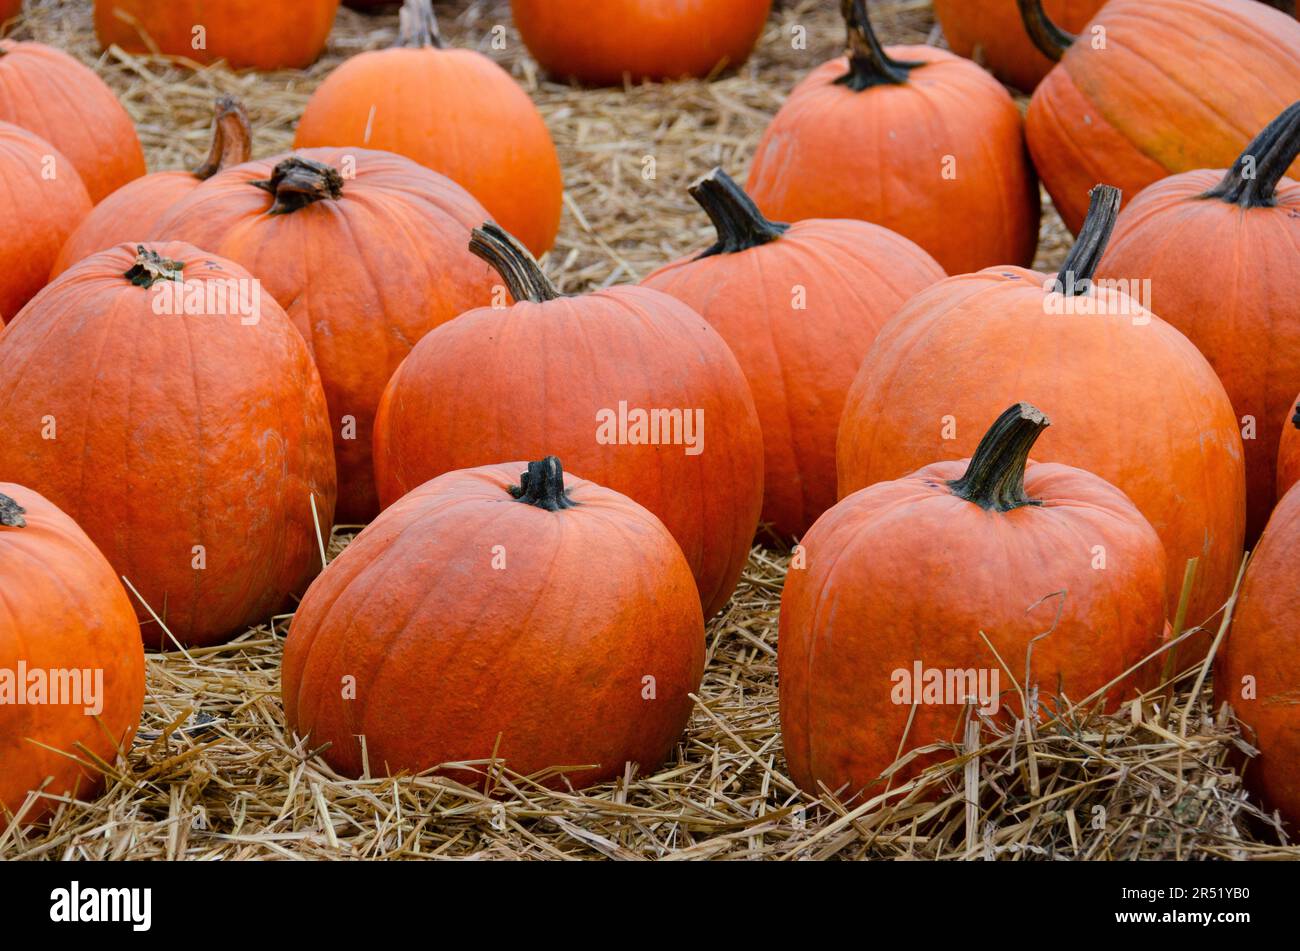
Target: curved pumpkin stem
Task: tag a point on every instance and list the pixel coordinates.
(1050, 39)
(739, 223)
(151, 267)
(418, 27)
(543, 486)
(995, 476)
(1081, 263)
(517, 267)
(1253, 178)
(232, 139)
(868, 63)
(298, 182)
(11, 513)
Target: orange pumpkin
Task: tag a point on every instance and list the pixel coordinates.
(799, 306)
(904, 576)
(162, 401)
(1166, 93)
(1288, 455)
(74, 111)
(911, 138)
(634, 387)
(496, 615)
(261, 34)
(1220, 254)
(991, 33)
(453, 110)
(65, 611)
(130, 213)
(39, 209)
(367, 253)
(600, 43)
(1093, 357)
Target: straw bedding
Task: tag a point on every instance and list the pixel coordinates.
(215, 774)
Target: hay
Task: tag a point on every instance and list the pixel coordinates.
(215, 774)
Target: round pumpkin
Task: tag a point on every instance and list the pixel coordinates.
(600, 43)
(367, 251)
(799, 306)
(65, 613)
(904, 576)
(1219, 251)
(1166, 93)
(912, 138)
(261, 34)
(1134, 400)
(167, 405)
(73, 110)
(42, 201)
(130, 213)
(453, 110)
(635, 388)
(1288, 455)
(497, 615)
(991, 33)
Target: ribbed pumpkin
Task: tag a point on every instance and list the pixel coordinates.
(1167, 93)
(991, 33)
(42, 200)
(634, 387)
(1220, 252)
(908, 574)
(130, 213)
(64, 611)
(47, 92)
(1288, 454)
(498, 615)
(367, 253)
(911, 138)
(262, 34)
(1134, 400)
(799, 306)
(452, 110)
(189, 441)
(598, 43)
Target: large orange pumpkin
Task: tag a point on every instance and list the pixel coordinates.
(634, 387)
(911, 138)
(494, 615)
(453, 110)
(599, 43)
(799, 306)
(262, 34)
(42, 200)
(991, 33)
(1134, 400)
(1157, 87)
(367, 253)
(130, 213)
(162, 401)
(47, 92)
(904, 577)
(65, 611)
(1220, 252)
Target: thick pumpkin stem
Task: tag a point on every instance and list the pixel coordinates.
(868, 63)
(995, 477)
(1050, 39)
(232, 139)
(543, 486)
(1253, 178)
(151, 267)
(739, 223)
(517, 267)
(298, 182)
(11, 513)
(1075, 276)
(418, 27)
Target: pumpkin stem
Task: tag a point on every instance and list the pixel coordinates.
(1253, 178)
(869, 65)
(1080, 265)
(11, 513)
(418, 27)
(298, 182)
(1050, 39)
(543, 486)
(739, 223)
(518, 268)
(1286, 6)
(151, 267)
(232, 139)
(995, 476)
